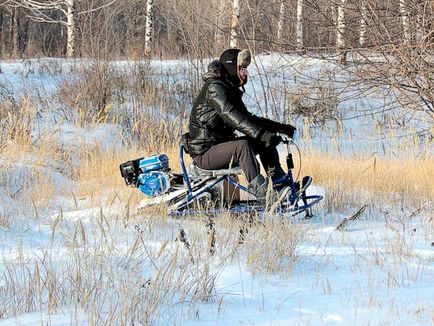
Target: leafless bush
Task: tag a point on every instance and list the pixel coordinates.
(406, 72)
(49, 67)
(16, 117)
(316, 102)
(91, 92)
(149, 103)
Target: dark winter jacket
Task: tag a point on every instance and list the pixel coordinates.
(218, 111)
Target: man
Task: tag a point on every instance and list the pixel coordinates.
(218, 111)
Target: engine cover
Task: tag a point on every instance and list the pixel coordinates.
(154, 183)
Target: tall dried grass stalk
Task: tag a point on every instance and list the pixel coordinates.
(374, 177)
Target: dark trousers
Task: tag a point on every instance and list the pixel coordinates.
(242, 152)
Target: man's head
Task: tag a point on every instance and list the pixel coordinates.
(235, 63)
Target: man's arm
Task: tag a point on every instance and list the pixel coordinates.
(273, 126)
(241, 120)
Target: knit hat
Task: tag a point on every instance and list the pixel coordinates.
(232, 60)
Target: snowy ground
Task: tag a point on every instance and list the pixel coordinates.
(377, 272)
(77, 263)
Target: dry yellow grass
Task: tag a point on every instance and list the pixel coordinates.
(348, 180)
(344, 178)
(411, 177)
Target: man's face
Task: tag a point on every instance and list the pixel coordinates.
(243, 73)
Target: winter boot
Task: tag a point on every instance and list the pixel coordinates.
(305, 182)
(259, 188)
(278, 175)
(299, 187)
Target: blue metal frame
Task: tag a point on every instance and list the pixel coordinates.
(192, 194)
(292, 207)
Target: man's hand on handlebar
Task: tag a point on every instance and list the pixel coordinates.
(286, 130)
(270, 139)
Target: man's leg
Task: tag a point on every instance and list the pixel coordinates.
(270, 160)
(238, 152)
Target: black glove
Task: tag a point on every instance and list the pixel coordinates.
(270, 139)
(286, 130)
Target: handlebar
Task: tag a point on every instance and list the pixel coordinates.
(286, 140)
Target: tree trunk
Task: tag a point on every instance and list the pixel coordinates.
(280, 24)
(405, 21)
(419, 30)
(363, 23)
(70, 28)
(24, 36)
(15, 32)
(149, 29)
(235, 23)
(221, 26)
(1, 34)
(340, 35)
(219, 34)
(300, 40)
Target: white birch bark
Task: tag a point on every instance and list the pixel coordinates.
(149, 28)
(39, 11)
(363, 23)
(340, 34)
(299, 27)
(405, 19)
(235, 23)
(280, 23)
(70, 28)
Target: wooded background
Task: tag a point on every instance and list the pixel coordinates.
(203, 28)
(390, 42)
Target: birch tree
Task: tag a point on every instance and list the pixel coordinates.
(70, 27)
(341, 43)
(221, 25)
(363, 23)
(149, 27)
(235, 23)
(299, 27)
(39, 11)
(405, 19)
(280, 24)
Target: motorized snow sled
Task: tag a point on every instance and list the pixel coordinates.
(197, 191)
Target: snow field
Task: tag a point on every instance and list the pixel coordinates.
(73, 251)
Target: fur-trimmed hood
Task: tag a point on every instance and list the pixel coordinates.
(232, 60)
(214, 70)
